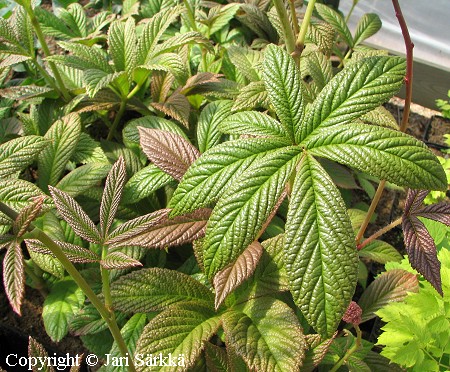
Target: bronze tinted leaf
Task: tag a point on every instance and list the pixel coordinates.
(112, 195)
(75, 216)
(118, 260)
(439, 212)
(176, 106)
(234, 274)
(168, 151)
(422, 250)
(14, 276)
(168, 232)
(414, 200)
(27, 215)
(37, 351)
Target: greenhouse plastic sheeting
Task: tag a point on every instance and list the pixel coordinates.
(428, 23)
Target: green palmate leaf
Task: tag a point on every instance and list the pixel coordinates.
(14, 275)
(63, 301)
(75, 216)
(38, 353)
(181, 332)
(245, 60)
(244, 208)
(27, 92)
(111, 196)
(27, 216)
(253, 123)
(167, 232)
(73, 252)
(215, 170)
(13, 59)
(96, 80)
(337, 21)
(48, 263)
(63, 137)
(131, 332)
(144, 183)
(154, 289)
(122, 45)
(88, 321)
(152, 32)
(118, 260)
(23, 28)
(380, 252)
(52, 25)
(357, 89)
(115, 150)
(208, 134)
(266, 333)
(282, 79)
(83, 178)
(85, 57)
(88, 151)
(234, 274)
(18, 194)
(180, 40)
(216, 358)
(75, 17)
(319, 68)
(252, 96)
(169, 62)
(368, 25)
(380, 116)
(381, 152)
(168, 151)
(320, 253)
(222, 16)
(17, 153)
(390, 286)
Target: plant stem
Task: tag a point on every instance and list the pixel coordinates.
(76, 276)
(380, 232)
(286, 23)
(46, 50)
(404, 124)
(371, 210)
(105, 283)
(38, 282)
(409, 64)
(350, 351)
(115, 124)
(300, 44)
(355, 2)
(294, 17)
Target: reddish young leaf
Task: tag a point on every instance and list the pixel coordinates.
(27, 215)
(112, 195)
(176, 106)
(168, 232)
(439, 212)
(37, 351)
(75, 216)
(317, 350)
(390, 286)
(234, 274)
(14, 275)
(73, 252)
(422, 250)
(118, 260)
(168, 151)
(414, 200)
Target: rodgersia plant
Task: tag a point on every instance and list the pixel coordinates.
(267, 263)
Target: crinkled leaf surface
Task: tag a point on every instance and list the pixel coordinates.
(118, 260)
(244, 208)
(368, 25)
(320, 253)
(63, 301)
(381, 152)
(63, 136)
(266, 333)
(14, 275)
(179, 330)
(282, 79)
(154, 289)
(215, 170)
(17, 153)
(170, 152)
(234, 274)
(357, 89)
(73, 252)
(337, 21)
